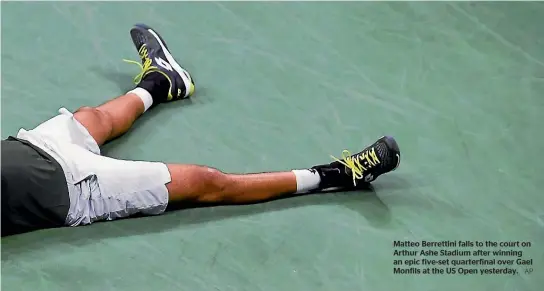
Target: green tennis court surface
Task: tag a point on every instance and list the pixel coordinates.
(281, 86)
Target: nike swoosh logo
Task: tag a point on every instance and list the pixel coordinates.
(398, 162)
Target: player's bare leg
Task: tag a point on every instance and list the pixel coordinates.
(163, 80)
(111, 119)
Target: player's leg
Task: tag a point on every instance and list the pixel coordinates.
(161, 80)
(111, 119)
(165, 80)
(113, 189)
(208, 185)
(121, 188)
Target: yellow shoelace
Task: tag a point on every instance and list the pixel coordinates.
(146, 68)
(356, 164)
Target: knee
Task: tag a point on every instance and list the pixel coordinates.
(199, 184)
(218, 185)
(94, 113)
(96, 116)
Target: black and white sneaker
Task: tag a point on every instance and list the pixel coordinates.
(352, 171)
(155, 57)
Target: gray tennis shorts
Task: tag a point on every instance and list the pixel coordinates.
(100, 188)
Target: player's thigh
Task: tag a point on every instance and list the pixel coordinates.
(62, 129)
(113, 189)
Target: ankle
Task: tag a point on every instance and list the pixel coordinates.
(332, 176)
(157, 85)
(307, 180)
(144, 95)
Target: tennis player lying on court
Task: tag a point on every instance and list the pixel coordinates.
(54, 174)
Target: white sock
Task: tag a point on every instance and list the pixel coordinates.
(144, 95)
(306, 180)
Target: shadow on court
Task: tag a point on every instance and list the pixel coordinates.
(364, 202)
